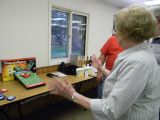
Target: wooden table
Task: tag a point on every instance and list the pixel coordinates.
(20, 92)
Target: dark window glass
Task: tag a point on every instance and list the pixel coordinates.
(78, 34)
(59, 34)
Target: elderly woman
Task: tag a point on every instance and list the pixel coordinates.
(131, 91)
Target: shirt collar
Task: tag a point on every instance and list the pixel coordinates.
(131, 50)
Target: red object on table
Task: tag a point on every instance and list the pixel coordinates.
(25, 75)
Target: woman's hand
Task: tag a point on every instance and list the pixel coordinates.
(96, 63)
(61, 87)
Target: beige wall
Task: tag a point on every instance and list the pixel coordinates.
(24, 26)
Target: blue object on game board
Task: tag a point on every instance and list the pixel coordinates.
(2, 97)
(10, 98)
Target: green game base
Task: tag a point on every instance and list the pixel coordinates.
(31, 81)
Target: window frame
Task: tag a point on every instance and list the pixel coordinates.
(57, 61)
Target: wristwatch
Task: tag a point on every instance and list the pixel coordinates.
(74, 96)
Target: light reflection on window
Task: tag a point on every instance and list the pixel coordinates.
(78, 34)
(59, 36)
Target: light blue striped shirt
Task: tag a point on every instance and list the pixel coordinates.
(132, 90)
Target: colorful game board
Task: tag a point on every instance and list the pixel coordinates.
(29, 79)
(9, 66)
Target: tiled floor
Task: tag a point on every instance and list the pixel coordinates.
(63, 111)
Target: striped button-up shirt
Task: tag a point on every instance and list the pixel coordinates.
(132, 90)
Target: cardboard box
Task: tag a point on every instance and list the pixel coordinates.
(9, 66)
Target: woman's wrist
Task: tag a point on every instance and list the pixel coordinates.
(81, 100)
(74, 96)
(100, 68)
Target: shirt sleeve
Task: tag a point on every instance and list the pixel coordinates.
(129, 85)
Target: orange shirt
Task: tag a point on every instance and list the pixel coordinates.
(111, 49)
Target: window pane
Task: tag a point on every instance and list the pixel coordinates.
(59, 34)
(78, 34)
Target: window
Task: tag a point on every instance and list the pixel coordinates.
(68, 35)
(78, 34)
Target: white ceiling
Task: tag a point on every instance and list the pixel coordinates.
(123, 3)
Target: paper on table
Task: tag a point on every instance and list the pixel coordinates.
(59, 74)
